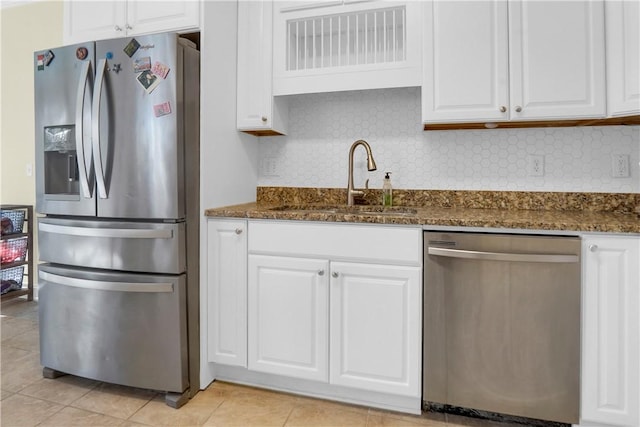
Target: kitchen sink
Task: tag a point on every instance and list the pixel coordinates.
(349, 210)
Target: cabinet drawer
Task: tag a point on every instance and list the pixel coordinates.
(373, 243)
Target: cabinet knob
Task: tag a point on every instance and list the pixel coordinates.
(321, 273)
(118, 28)
(593, 248)
(264, 118)
(128, 27)
(238, 230)
(503, 109)
(518, 108)
(334, 274)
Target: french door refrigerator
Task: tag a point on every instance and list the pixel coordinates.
(117, 180)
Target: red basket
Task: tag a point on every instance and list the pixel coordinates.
(13, 250)
(12, 279)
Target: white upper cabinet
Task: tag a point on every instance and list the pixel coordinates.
(258, 111)
(610, 331)
(623, 57)
(496, 61)
(96, 20)
(330, 46)
(466, 67)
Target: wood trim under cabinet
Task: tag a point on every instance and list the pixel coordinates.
(613, 121)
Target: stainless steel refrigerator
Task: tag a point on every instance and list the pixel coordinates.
(117, 178)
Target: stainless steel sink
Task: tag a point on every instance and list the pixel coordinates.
(349, 210)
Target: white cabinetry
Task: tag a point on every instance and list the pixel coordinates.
(346, 45)
(288, 316)
(623, 57)
(258, 112)
(96, 20)
(494, 61)
(337, 303)
(374, 310)
(226, 316)
(611, 331)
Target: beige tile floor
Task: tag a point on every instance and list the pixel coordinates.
(28, 399)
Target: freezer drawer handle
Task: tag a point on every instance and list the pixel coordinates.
(95, 129)
(127, 233)
(106, 286)
(80, 158)
(499, 256)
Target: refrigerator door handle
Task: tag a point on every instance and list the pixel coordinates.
(80, 158)
(129, 233)
(101, 285)
(95, 129)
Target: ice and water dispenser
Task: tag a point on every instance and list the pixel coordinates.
(60, 160)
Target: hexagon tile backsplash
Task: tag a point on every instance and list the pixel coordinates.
(322, 128)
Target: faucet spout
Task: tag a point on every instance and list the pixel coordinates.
(371, 166)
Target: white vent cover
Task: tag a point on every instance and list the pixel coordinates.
(357, 38)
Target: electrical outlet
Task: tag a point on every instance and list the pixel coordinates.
(620, 165)
(28, 169)
(535, 165)
(269, 167)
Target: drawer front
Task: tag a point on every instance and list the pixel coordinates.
(113, 245)
(127, 329)
(369, 243)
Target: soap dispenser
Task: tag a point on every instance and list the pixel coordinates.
(387, 196)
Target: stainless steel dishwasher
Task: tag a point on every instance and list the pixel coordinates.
(502, 324)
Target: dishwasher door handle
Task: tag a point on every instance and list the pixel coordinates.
(501, 256)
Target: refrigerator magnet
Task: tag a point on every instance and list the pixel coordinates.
(131, 48)
(160, 69)
(40, 62)
(142, 64)
(163, 109)
(81, 53)
(48, 57)
(148, 80)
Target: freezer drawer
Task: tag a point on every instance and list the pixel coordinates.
(127, 329)
(113, 245)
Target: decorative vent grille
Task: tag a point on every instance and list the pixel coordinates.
(358, 38)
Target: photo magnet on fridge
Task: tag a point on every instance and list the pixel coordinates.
(163, 109)
(131, 48)
(48, 57)
(148, 80)
(160, 69)
(141, 64)
(40, 62)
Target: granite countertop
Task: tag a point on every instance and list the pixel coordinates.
(460, 217)
(594, 212)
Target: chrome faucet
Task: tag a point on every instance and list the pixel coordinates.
(371, 166)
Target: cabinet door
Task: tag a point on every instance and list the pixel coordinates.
(376, 329)
(465, 61)
(86, 21)
(288, 316)
(556, 57)
(151, 17)
(610, 354)
(226, 314)
(623, 57)
(336, 46)
(257, 110)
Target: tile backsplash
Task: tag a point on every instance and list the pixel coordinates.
(322, 128)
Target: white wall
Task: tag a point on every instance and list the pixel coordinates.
(323, 126)
(25, 29)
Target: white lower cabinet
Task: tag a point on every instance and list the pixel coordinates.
(375, 331)
(226, 317)
(340, 304)
(288, 316)
(611, 331)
